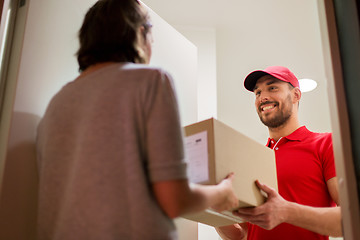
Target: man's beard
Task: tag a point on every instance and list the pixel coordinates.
(280, 118)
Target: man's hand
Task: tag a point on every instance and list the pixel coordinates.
(268, 215)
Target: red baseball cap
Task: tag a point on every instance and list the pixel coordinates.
(279, 72)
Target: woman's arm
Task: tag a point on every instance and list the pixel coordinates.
(178, 197)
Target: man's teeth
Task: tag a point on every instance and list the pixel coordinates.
(267, 108)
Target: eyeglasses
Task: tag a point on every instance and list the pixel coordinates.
(147, 25)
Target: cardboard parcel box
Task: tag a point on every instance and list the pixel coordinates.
(213, 150)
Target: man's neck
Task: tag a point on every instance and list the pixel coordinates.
(284, 130)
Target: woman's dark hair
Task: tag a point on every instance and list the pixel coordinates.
(110, 33)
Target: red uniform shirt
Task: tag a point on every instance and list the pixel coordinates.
(304, 162)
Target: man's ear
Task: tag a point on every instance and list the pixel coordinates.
(297, 94)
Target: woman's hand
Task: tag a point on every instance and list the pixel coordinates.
(228, 201)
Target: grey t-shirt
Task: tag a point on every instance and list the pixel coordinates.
(104, 139)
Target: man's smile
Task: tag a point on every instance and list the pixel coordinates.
(265, 107)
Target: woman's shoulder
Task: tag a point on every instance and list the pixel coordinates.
(147, 71)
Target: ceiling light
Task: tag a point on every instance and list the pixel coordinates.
(307, 85)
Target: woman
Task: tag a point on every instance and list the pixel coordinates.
(110, 148)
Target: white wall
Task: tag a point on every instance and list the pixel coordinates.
(173, 52)
(205, 41)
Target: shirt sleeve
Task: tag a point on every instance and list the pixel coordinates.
(164, 138)
(328, 158)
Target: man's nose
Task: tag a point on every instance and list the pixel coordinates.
(264, 98)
